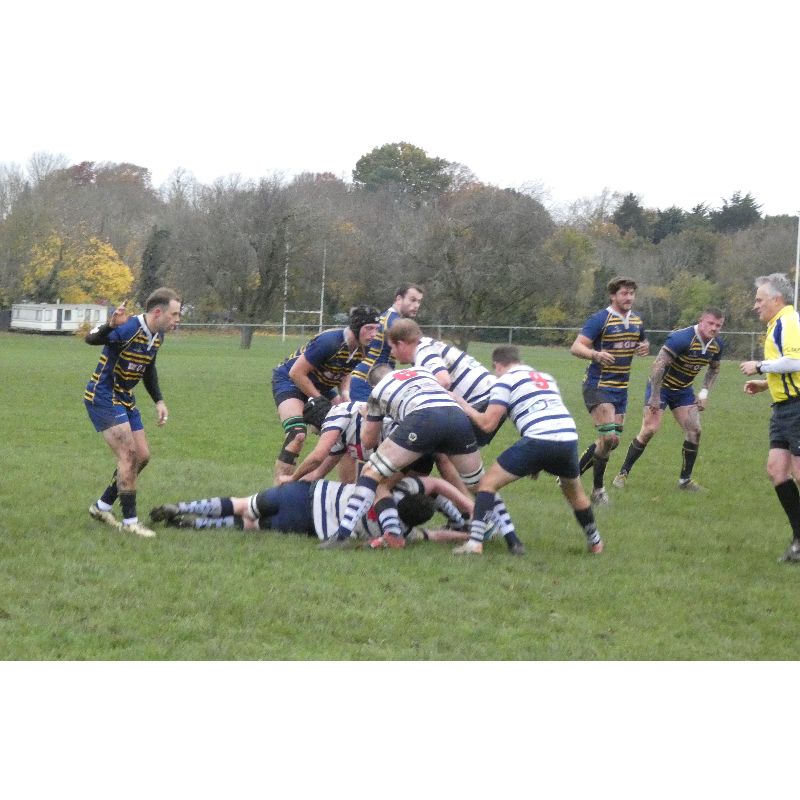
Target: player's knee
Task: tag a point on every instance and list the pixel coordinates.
(293, 441)
(381, 465)
(472, 480)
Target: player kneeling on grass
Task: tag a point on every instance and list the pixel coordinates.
(532, 401)
(428, 421)
(316, 509)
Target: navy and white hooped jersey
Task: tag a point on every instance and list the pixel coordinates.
(330, 356)
(330, 498)
(405, 391)
(691, 354)
(468, 377)
(620, 335)
(533, 403)
(130, 349)
(346, 419)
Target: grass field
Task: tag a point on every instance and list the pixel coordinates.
(683, 577)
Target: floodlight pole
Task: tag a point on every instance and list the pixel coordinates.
(797, 262)
(322, 292)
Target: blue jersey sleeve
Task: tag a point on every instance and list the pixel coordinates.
(593, 326)
(323, 347)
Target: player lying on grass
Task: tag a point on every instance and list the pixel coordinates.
(429, 421)
(316, 509)
(532, 401)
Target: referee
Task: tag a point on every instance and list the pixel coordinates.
(781, 370)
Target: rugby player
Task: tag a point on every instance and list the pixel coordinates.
(685, 353)
(407, 300)
(549, 442)
(130, 347)
(316, 370)
(609, 339)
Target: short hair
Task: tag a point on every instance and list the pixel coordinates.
(377, 374)
(506, 354)
(402, 289)
(404, 330)
(712, 311)
(778, 285)
(615, 284)
(414, 509)
(161, 297)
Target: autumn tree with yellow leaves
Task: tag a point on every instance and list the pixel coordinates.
(86, 270)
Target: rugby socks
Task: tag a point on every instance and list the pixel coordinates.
(388, 518)
(109, 496)
(599, 473)
(128, 502)
(689, 452)
(587, 459)
(484, 511)
(504, 523)
(789, 495)
(635, 450)
(357, 506)
(229, 521)
(208, 507)
(448, 508)
(585, 519)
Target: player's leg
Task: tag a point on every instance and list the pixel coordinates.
(489, 506)
(608, 425)
(121, 440)
(651, 423)
(290, 412)
(384, 463)
(688, 417)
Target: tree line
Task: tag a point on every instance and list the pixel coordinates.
(98, 232)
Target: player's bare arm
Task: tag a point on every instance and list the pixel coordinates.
(299, 375)
(442, 487)
(370, 434)
(582, 348)
(657, 371)
(488, 420)
(712, 373)
(313, 460)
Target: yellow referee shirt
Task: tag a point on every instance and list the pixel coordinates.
(783, 339)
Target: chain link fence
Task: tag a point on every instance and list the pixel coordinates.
(737, 344)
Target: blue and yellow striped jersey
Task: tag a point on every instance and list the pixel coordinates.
(330, 356)
(691, 354)
(619, 335)
(130, 350)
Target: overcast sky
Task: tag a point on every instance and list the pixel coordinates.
(679, 102)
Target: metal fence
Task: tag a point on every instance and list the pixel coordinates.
(737, 344)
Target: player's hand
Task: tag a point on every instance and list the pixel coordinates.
(643, 349)
(284, 479)
(604, 357)
(749, 367)
(120, 315)
(163, 414)
(754, 387)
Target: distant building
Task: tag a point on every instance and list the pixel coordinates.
(56, 317)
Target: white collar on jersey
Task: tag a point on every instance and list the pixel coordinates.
(707, 344)
(626, 319)
(152, 336)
